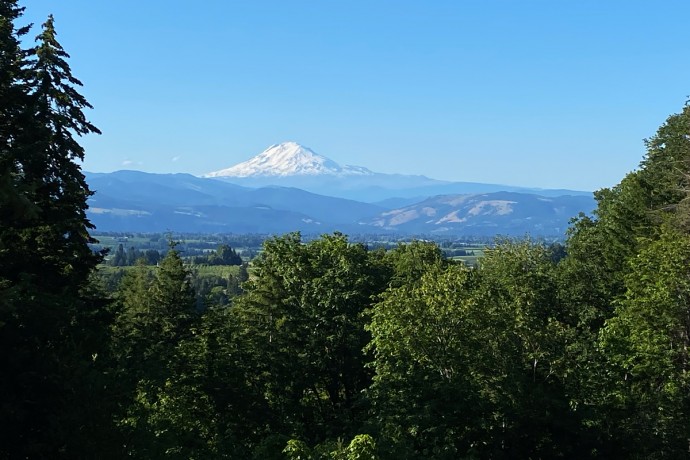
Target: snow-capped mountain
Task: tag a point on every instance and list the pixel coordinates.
(289, 159)
(290, 164)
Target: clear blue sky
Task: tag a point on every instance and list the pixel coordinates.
(545, 93)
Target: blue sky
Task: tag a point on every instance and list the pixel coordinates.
(542, 93)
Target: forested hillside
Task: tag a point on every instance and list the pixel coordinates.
(333, 350)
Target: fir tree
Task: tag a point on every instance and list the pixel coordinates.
(151, 333)
(52, 320)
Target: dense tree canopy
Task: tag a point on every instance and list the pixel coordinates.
(325, 349)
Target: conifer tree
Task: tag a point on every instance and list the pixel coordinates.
(52, 321)
(48, 162)
(152, 336)
(13, 205)
(12, 101)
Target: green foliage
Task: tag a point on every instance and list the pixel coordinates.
(302, 315)
(53, 321)
(156, 310)
(527, 334)
(475, 362)
(664, 170)
(297, 450)
(224, 255)
(362, 447)
(646, 344)
(422, 341)
(575, 351)
(121, 258)
(410, 261)
(152, 335)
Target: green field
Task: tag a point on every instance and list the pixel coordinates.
(222, 271)
(471, 260)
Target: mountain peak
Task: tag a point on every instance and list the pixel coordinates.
(288, 159)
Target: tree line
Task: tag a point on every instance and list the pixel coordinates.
(223, 255)
(333, 350)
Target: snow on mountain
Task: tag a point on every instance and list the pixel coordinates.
(289, 159)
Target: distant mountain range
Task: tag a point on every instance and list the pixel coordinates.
(506, 213)
(292, 165)
(137, 201)
(260, 196)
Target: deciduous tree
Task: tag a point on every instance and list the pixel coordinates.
(302, 314)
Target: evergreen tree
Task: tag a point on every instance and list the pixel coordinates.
(152, 256)
(153, 328)
(132, 256)
(225, 255)
(14, 206)
(13, 105)
(119, 258)
(48, 165)
(52, 321)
